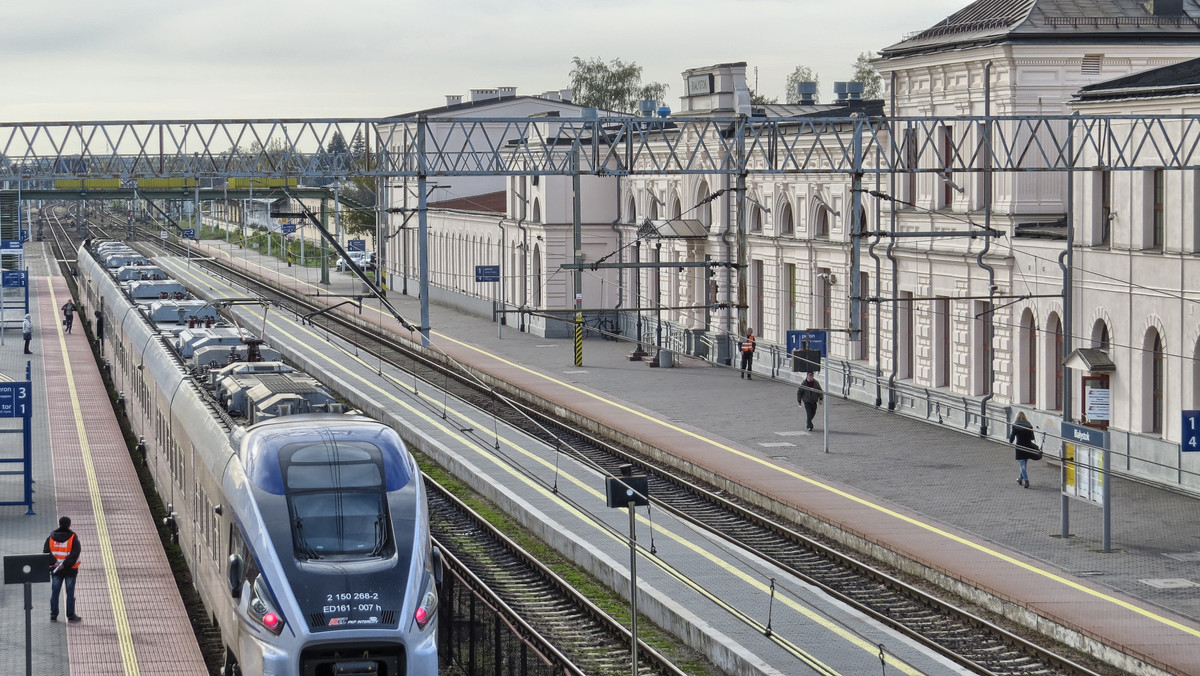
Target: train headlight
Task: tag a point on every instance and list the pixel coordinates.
(263, 612)
(428, 607)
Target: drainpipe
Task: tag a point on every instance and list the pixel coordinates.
(895, 266)
(990, 325)
(875, 257)
(500, 289)
(524, 271)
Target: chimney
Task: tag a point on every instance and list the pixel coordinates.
(854, 90)
(807, 92)
(483, 95)
(646, 107)
(507, 91)
(839, 90)
(453, 99)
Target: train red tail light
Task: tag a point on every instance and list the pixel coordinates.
(424, 612)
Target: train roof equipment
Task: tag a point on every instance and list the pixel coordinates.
(128, 273)
(142, 290)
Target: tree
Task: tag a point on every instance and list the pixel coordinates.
(865, 73)
(358, 195)
(611, 86)
(802, 74)
(761, 99)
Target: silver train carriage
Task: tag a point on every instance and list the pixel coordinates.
(307, 535)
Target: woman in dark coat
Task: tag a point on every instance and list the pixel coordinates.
(1022, 433)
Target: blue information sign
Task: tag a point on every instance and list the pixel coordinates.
(189, 233)
(10, 245)
(15, 400)
(356, 245)
(1191, 431)
(810, 340)
(13, 279)
(487, 273)
(1087, 436)
(287, 229)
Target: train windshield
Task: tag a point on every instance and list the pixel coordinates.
(336, 500)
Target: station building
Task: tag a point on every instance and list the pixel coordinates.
(963, 330)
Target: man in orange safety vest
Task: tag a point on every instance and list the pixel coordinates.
(63, 543)
(747, 347)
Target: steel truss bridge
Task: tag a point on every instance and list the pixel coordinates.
(436, 147)
(209, 157)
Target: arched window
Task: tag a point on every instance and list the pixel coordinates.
(537, 274)
(787, 224)
(653, 213)
(630, 210)
(676, 210)
(1054, 352)
(537, 210)
(1153, 382)
(704, 211)
(821, 222)
(1026, 374)
(1100, 337)
(756, 219)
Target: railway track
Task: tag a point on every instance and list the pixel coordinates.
(945, 625)
(563, 631)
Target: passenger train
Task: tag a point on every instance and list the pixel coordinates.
(306, 528)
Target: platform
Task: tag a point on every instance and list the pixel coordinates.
(133, 621)
(944, 502)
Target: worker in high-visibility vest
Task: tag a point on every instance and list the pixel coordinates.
(747, 347)
(63, 543)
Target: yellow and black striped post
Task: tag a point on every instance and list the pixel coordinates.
(579, 339)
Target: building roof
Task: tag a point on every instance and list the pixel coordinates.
(471, 106)
(492, 202)
(1175, 80)
(997, 21)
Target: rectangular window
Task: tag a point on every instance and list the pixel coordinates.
(908, 161)
(1106, 212)
(756, 294)
(821, 299)
(1159, 227)
(789, 310)
(981, 348)
(904, 329)
(864, 317)
(941, 341)
(946, 191)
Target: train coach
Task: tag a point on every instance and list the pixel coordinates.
(306, 528)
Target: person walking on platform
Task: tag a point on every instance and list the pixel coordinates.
(27, 332)
(68, 311)
(1022, 434)
(63, 543)
(747, 348)
(809, 395)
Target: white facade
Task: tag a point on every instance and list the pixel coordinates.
(958, 330)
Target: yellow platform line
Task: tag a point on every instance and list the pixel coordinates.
(120, 616)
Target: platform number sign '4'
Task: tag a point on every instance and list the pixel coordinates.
(1191, 431)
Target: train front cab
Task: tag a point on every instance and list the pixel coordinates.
(338, 513)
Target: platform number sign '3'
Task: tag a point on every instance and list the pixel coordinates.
(1191, 431)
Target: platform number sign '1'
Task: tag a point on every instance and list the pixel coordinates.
(1191, 431)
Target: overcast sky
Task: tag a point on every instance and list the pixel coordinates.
(224, 59)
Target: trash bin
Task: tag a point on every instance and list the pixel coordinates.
(665, 359)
